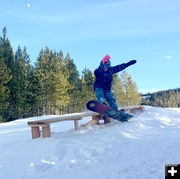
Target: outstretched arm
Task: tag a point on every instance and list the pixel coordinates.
(121, 67)
(132, 62)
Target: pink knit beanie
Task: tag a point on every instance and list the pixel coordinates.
(105, 59)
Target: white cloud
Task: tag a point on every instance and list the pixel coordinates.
(28, 4)
(168, 57)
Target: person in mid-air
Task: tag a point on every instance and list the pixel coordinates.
(103, 80)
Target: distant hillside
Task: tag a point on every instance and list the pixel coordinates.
(167, 98)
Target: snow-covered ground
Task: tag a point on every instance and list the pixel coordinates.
(138, 149)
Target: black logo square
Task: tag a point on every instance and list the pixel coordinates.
(172, 171)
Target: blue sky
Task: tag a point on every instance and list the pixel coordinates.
(145, 30)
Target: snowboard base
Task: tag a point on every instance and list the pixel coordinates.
(119, 115)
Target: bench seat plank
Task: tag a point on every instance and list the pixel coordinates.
(78, 116)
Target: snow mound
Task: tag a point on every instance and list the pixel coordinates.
(136, 149)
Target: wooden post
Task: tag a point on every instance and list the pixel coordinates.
(76, 126)
(35, 132)
(138, 109)
(96, 119)
(106, 120)
(46, 131)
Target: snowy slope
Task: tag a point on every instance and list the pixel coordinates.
(138, 149)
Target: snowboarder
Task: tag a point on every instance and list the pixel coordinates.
(104, 77)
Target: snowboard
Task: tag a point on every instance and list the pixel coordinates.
(101, 108)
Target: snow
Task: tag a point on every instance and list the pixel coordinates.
(136, 149)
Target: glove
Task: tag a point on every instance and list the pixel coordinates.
(131, 62)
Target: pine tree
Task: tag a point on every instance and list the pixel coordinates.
(59, 97)
(4, 91)
(118, 90)
(74, 81)
(7, 50)
(8, 56)
(28, 100)
(132, 97)
(84, 93)
(53, 93)
(32, 91)
(20, 84)
(88, 82)
(172, 99)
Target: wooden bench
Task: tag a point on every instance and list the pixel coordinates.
(45, 123)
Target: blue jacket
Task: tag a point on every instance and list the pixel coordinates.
(104, 79)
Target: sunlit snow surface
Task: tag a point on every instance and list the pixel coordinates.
(136, 149)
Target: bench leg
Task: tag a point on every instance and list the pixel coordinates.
(96, 119)
(35, 132)
(106, 120)
(46, 131)
(76, 126)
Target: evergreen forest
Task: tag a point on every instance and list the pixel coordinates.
(166, 98)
